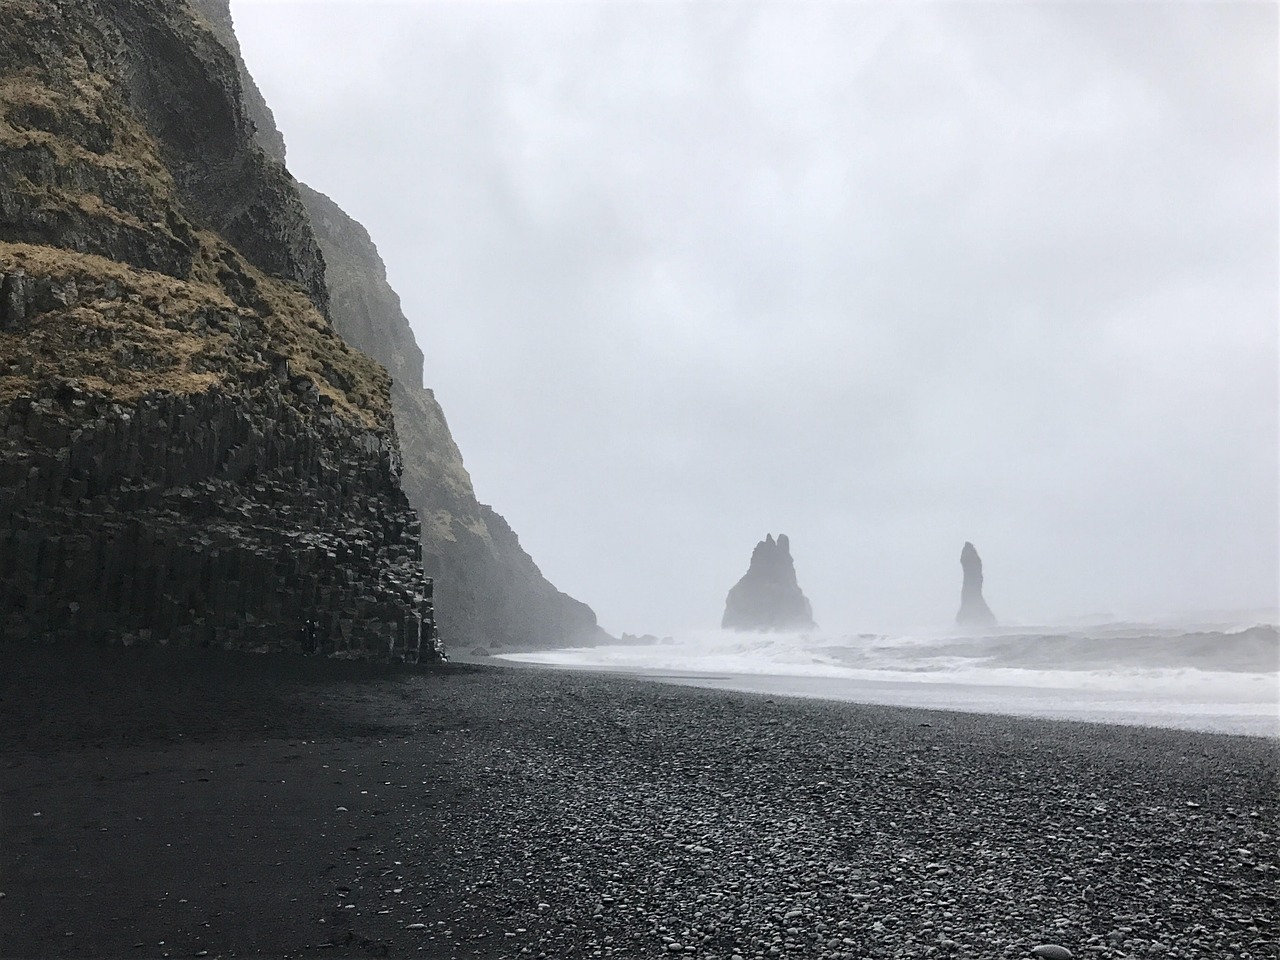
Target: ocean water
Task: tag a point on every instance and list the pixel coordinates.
(1219, 677)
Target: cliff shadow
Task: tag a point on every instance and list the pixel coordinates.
(71, 696)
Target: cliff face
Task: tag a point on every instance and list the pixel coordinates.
(188, 451)
(488, 588)
(217, 15)
(768, 597)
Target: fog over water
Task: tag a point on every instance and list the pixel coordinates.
(884, 278)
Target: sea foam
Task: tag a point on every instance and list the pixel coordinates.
(1214, 676)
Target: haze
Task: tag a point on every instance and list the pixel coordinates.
(884, 278)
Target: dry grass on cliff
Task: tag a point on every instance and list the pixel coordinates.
(222, 323)
(127, 332)
(27, 89)
(54, 111)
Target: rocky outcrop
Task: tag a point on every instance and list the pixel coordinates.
(203, 519)
(489, 590)
(189, 453)
(114, 110)
(974, 611)
(217, 14)
(365, 309)
(768, 597)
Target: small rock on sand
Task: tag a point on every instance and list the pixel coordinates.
(1051, 951)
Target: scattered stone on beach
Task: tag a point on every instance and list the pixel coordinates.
(1051, 951)
(834, 870)
(768, 597)
(834, 834)
(974, 611)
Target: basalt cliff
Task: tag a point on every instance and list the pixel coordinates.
(190, 451)
(768, 597)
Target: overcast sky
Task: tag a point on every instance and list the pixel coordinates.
(884, 278)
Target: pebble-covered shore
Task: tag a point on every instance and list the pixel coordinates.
(523, 813)
(631, 818)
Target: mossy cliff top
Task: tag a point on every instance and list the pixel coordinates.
(146, 242)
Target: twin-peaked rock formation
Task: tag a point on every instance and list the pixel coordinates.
(768, 596)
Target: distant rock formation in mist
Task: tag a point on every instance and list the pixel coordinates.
(974, 611)
(768, 596)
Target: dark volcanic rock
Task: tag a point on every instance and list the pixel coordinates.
(189, 453)
(213, 519)
(974, 611)
(113, 110)
(768, 596)
(218, 15)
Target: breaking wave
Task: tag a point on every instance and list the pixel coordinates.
(1202, 669)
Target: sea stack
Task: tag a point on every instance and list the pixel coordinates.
(768, 596)
(974, 611)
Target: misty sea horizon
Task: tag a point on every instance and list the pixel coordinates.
(1220, 677)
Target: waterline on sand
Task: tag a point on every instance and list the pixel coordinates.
(1218, 680)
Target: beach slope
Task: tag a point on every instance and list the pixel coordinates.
(156, 804)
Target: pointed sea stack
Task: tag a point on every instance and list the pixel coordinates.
(974, 611)
(768, 596)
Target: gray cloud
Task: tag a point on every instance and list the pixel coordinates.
(882, 277)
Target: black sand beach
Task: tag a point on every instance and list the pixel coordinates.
(157, 803)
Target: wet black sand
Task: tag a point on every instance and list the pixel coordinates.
(193, 802)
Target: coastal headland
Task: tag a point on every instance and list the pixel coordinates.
(200, 803)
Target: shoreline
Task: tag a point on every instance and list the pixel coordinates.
(1125, 708)
(242, 805)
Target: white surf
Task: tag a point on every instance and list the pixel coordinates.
(1219, 677)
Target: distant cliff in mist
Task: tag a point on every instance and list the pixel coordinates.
(488, 589)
